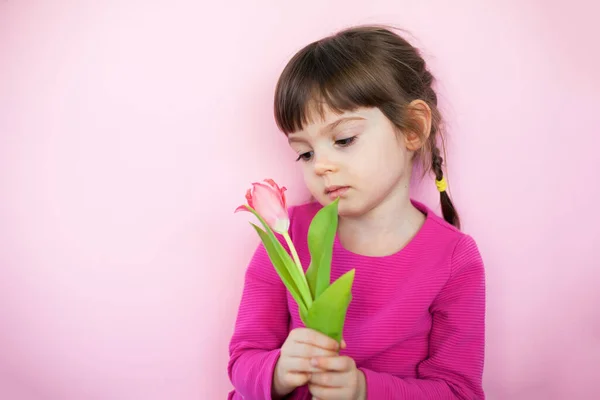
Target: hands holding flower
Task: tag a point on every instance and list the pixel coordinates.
(339, 379)
(309, 357)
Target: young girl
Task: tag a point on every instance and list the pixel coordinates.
(359, 109)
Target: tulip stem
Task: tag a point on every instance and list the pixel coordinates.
(288, 240)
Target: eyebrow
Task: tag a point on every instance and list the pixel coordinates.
(330, 126)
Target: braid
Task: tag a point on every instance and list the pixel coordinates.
(436, 162)
(428, 94)
(448, 210)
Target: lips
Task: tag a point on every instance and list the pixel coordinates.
(330, 189)
(335, 191)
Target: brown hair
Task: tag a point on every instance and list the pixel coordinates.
(363, 66)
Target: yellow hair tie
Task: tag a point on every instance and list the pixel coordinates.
(441, 184)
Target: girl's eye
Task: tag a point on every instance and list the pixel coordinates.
(341, 142)
(345, 142)
(305, 156)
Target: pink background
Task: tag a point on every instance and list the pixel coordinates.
(129, 131)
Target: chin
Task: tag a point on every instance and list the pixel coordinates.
(348, 209)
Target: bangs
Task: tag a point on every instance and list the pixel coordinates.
(333, 74)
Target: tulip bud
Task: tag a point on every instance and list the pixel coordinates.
(268, 199)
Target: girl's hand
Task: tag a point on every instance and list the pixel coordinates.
(293, 369)
(340, 380)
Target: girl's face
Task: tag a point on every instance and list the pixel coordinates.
(358, 156)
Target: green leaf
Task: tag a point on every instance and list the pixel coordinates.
(296, 272)
(328, 312)
(311, 278)
(296, 275)
(304, 315)
(281, 268)
(321, 235)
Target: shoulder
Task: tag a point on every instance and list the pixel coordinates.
(465, 251)
(459, 248)
(463, 274)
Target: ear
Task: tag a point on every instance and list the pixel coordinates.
(420, 112)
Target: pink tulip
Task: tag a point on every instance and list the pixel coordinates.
(268, 200)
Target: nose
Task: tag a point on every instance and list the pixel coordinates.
(324, 165)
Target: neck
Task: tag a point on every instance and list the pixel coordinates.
(384, 229)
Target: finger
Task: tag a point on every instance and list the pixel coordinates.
(318, 339)
(330, 379)
(299, 365)
(343, 344)
(308, 351)
(329, 393)
(335, 363)
(297, 379)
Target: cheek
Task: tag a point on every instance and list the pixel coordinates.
(309, 175)
(371, 160)
(385, 163)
